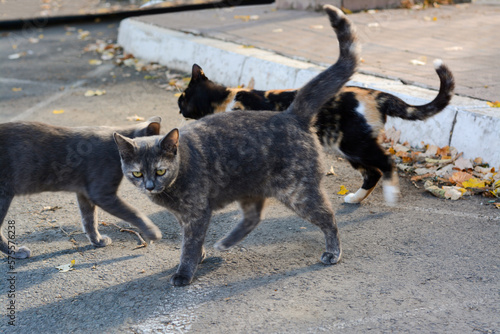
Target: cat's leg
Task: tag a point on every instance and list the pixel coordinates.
(252, 210)
(114, 205)
(9, 248)
(89, 222)
(374, 165)
(311, 203)
(370, 179)
(390, 181)
(194, 228)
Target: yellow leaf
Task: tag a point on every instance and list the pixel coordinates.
(135, 118)
(60, 111)
(495, 104)
(473, 183)
(66, 267)
(177, 94)
(95, 62)
(16, 89)
(343, 190)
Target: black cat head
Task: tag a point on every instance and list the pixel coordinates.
(201, 95)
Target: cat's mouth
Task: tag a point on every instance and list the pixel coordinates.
(154, 191)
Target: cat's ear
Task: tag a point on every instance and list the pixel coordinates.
(170, 142)
(153, 128)
(197, 73)
(126, 146)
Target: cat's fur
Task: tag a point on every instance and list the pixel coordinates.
(350, 122)
(246, 158)
(37, 157)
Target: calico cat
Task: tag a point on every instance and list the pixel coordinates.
(37, 157)
(351, 121)
(245, 157)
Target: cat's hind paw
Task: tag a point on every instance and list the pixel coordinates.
(331, 258)
(21, 253)
(179, 280)
(103, 241)
(351, 199)
(391, 194)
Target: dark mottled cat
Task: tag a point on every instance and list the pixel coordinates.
(244, 157)
(37, 157)
(351, 122)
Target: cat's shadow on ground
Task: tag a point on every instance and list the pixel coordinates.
(157, 289)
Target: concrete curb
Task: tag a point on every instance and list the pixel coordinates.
(468, 124)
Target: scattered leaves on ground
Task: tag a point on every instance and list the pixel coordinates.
(444, 171)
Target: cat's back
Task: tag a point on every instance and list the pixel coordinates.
(39, 157)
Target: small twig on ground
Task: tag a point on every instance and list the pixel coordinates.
(143, 242)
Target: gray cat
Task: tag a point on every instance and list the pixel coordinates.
(245, 157)
(37, 157)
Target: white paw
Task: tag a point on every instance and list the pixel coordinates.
(351, 199)
(391, 194)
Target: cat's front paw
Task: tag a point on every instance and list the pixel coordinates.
(180, 280)
(21, 253)
(219, 245)
(331, 258)
(152, 233)
(102, 242)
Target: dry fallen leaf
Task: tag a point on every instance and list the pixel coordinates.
(473, 183)
(95, 62)
(135, 118)
(343, 190)
(463, 163)
(16, 89)
(495, 104)
(460, 177)
(66, 267)
(60, 111)
(94, 93)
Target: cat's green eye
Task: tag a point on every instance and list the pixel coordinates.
(161, 172)
(137, 174)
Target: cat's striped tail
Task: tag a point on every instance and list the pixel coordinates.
(399, 108)
(321, 88)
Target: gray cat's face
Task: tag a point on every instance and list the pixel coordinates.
(152, 163)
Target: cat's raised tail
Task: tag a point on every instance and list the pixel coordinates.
(399, 108)
(321, 88)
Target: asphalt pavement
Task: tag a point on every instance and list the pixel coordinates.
(426, 265)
